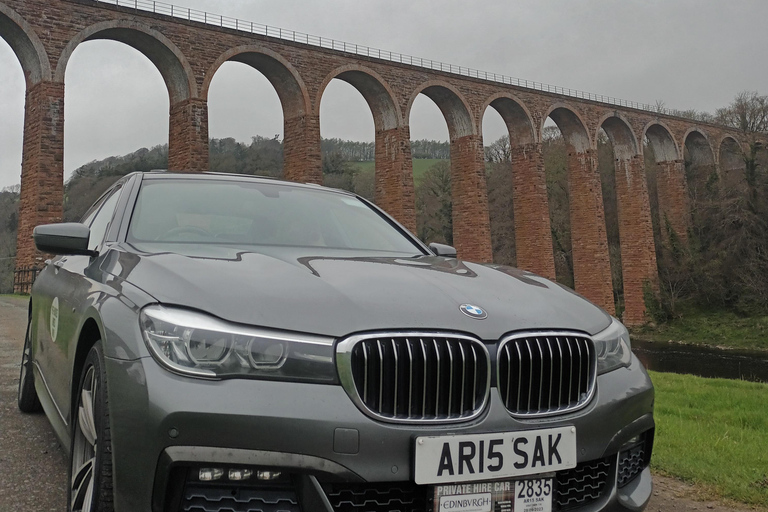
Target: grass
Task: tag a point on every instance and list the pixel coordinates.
(420, 166)
(715, 328)
(713, 433)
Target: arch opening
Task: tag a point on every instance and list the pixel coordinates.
(453, 107)
(108, 116)
(469, 196)
(391, 182)
(517, 182)
(349, 141)
(162, 53)
(629, 227)
(246, 128)
(667, 187)
(555, 159)
(660, 141)
(732, 164)
(621, 138)
(613, 154)
(291, 92)
(500, 176)
(431, 165)
(572, 128)
(301, 155)
(700, 171)
(589, 252)
(12, 88)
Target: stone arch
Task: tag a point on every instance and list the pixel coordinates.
(286, 80)
(698, 146)
(169, 60)
(530, 205)
(730, 153)
(731, 162)
(670, 183)
(660, 138)
(471, 222)
(376, 91)
(26, 45)
(393, 171)
(451, 103)
(635, 227)
(571, 125)
(516, 116)
(620, 133)
(589, 244)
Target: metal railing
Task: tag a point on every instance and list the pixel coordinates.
(24, 278)
(251, 27)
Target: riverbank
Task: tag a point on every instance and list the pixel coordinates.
(712, 433)
(721, 329)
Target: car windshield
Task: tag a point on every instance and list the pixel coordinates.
(230, 212)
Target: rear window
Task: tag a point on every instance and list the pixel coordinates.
(231, 212)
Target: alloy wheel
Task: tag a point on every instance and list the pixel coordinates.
(84, 450)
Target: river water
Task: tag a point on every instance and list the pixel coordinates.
(702, 361)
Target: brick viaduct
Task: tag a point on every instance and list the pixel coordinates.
(44, 33)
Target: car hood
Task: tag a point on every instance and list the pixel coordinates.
(336, 293)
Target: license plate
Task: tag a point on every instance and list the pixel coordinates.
(531, 495)
(473, 457)
(534, 495)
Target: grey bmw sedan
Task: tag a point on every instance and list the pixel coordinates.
(231, 343)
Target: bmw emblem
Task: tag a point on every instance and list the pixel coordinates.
(473, 311)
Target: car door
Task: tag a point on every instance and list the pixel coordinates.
(68, 290)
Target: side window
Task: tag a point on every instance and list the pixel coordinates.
(101, 222)
(91, 213)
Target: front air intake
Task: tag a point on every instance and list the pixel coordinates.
(416, 377)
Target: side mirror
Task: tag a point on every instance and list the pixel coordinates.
(64, 238)
(442, 250)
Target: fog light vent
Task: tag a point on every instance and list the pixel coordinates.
(631, 463)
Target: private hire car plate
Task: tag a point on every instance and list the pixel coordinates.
(473, 457)
(531, 495)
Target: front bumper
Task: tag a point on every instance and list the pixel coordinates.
(163, 424)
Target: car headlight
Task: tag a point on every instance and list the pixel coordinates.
(199, 345)
(613, 347)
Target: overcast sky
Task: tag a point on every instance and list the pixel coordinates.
(692, 54)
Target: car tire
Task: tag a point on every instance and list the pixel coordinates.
(27, 396)
(90, 461)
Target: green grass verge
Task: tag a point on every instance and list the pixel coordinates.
(713, 433)
(420, 166)
(717, 328)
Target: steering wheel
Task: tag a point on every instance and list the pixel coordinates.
(184, 229)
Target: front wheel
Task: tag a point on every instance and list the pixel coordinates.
(90, 480)
(27, 396)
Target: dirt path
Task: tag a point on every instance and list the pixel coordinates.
(33, 469)
(673, 495)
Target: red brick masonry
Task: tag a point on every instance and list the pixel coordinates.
(44, 33)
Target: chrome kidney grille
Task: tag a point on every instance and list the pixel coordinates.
(546, 373)
(416, 377)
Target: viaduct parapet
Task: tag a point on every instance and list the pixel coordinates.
(44, 33)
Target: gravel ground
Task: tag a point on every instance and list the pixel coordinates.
(33, 467)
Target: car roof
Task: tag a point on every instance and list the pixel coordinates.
(159, 174)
